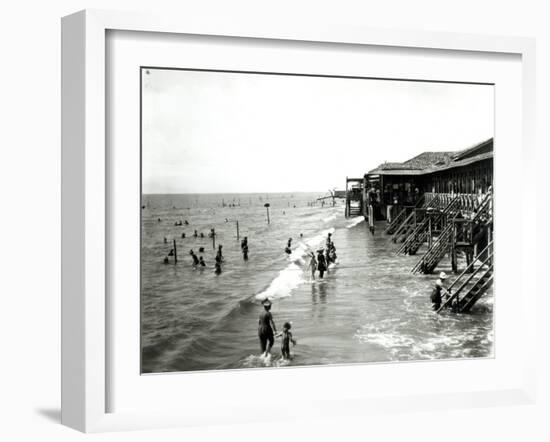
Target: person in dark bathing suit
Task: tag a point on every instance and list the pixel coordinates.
(321, 263)
(436, 297)
(219, 259)
(219, 255)
(288, 250)
(266, 328)
(244, 248)
(329, 240)
(195, 259)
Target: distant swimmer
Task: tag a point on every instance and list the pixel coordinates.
(159, 220)
(202, 235)
(186, 222)
(212, 233)
(166, 260)
(183, 235)
(244, 248)
(165, 240)
(219, 255)
(312, 265)
(266, 328)
(201, 249)
(321, 263)
(195, 234)
(195, 259)
(288, 250)
(171, 253)
(287, 339)
(226, 220)
(301, 235)
(201, 262)
(218, 268)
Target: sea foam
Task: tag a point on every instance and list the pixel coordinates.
(293, 274)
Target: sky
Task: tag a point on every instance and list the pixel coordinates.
(219, 132)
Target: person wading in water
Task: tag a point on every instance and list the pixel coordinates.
(313, 265)
(321, 263)
(195, 259)
(244, 248)
(288, 250)
(266, 328)
(436, 297)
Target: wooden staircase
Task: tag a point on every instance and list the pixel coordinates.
(354, 210)
(408, 225)
(436, 252)
(470, 290)
(443, 243)
(390, 229)
(420, 233)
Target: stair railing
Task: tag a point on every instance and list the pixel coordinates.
(434, 251)
(419, 204)
(415, 235)
(454, 295)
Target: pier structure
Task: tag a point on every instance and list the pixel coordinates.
(441, 204)
(355, 197)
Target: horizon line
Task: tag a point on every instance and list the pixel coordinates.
(233, 193)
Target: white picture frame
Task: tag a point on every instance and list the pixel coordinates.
(85, 198)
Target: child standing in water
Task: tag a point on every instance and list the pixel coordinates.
(287, 339)
(312, 265)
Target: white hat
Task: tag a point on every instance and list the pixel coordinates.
(442, 275)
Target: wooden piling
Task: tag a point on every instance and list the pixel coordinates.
(237, 230)
(175, 253)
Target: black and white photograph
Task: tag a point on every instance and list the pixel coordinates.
(242, 221)
(305, 220)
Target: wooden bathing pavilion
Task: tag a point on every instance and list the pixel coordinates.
(436, 204)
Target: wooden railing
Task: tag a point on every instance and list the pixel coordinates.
(403, 214)
(413, 218)
(487, 261)
(420, 232)
(469, 202)
(434, 254)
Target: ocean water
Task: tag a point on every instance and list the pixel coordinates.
(368, 308)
